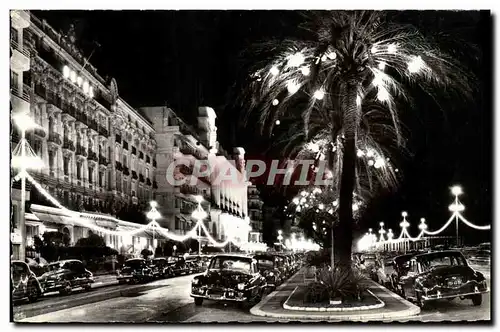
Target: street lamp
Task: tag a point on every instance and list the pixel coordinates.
(280, 237)
(404, 225)
(422, 226)
(456, 207)
(382, 232)
(153, 214)
(24, 162)
(199, 214)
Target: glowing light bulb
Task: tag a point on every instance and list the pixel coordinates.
(296, 201)
(292, 87)
(358, 100)
(381, 65)
(355, 207)
(305, 71)
(404, 214)
(321, 206)
(396, 170)
(392, 48)
(373, 49)
(275, 102)
(456, 190)
(323, 58)
(371, 162)
(369, 153)
(319, 94)
(360, 153)
(278, 122)
(274, 70)
(331, 55)
(295, 60)
(335, 203)
(416, 64)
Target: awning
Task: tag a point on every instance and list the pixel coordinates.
(52, 215)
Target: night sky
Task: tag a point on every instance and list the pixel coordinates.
(185, 59)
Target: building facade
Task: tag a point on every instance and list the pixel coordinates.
(99, 153)
(255, 204)
(186, 147)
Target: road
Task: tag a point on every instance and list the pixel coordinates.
(168, 300)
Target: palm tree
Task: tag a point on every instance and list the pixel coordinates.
(343, 62)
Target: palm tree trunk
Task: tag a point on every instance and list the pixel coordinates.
(343, 242)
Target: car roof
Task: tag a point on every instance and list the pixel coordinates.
(439, 253)
(234, 256)
(135, 259)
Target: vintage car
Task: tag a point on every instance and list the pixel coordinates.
(135, 270)
(160, 268)
(24, 283)
(442, 275)
(178, 265)
(65, 275)
(233, 278)
(480, 257)
(268, 267)
(197, 263)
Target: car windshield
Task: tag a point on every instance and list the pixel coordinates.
(134, 263)
(432, 261)
(230, 263)
(265, 263)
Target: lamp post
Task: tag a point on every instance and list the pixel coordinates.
(280, 237)
(24, 122)
(404, 225)
(174, 248)
(153, 214)
(199, 214)
(390, 235)
(422, 226)
(382, 232)
(456, 207)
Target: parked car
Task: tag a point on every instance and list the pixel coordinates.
(197, 263)
(135, 270)
(160, 268)
(442, 275)
(234, 278)
(178, 265)
(64, 276)
(268, 267)
(24, 283)
(481, 257)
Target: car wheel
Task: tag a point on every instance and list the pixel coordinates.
(198, 301)
(66, 290)
(87, 287)
(477, 299)
(33, 293)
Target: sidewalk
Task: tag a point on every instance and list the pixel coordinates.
(104, 280)
(395, 308)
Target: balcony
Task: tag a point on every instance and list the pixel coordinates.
(134, 175)
(68, 111)
(41, 90)
(141, 155)
(148, 182)
(103, 161)
(20, 59)
(93, 156)
(118, 165)
(155, 185)
(103, 132)
(54, 138)
(125, 145)
(141, 178)
(148, 160)
(69, 145)
(92, 124)
(81, 151)
(81, 117)
(154, 162)
(25, 94)
(40, 132)
(134, 150)
(118, 139)
(126, 171)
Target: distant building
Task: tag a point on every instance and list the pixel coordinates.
(255, 204)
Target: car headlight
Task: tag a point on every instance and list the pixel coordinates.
(241, 286)
(271, 274)
(195, 281)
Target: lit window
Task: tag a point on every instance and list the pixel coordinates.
(91, 92)
(73, 76)
(66, 71)
(86, 87)
(79, 81)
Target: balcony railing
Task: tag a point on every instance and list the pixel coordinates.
(148, 160)
(134, 175)
(125, 145)
(24, 50)
(81, 151)
(81, 117)
(55, 138)
(118, 139)
(24, 95)
(118, 165)
(40, 132)
(92, 124)
(103, 160)
(134, 150)
(126, 171)
(141, 155)
(141, 178)
(103, 131)
(148, 181)
(41, 90)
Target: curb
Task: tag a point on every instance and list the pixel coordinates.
(412, 310)
(379, 305)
